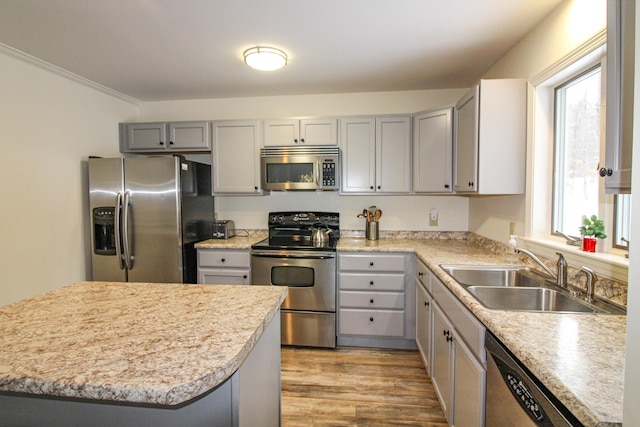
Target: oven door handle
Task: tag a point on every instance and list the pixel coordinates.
(281, 254)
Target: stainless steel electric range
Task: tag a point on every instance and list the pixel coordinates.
(298, 256)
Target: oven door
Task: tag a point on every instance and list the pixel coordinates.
(310, 277)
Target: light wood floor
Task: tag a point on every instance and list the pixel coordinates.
(357, 387)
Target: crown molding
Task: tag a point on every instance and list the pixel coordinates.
(65, 73)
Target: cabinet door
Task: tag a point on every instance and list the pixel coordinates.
(442, 371)
(393, 154)
(236, 157)
(189, 136)
(224, 276)
(424, 324)
(319, 132)
(620, 96)
(466, 143)
(432, 151)
(358, 141)
(469, 387)
(146, 136)
(281, 132)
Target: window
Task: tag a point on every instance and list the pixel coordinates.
(577, 150)
(622, 226)
(569, 147)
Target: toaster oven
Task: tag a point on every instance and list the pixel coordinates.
(223, 229)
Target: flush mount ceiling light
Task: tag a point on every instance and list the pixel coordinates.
(265, 58)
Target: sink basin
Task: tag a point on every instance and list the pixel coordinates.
(518, 288)
(495, 275)
(528, 299)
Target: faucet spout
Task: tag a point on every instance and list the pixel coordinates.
(538, 261)
(560, 277)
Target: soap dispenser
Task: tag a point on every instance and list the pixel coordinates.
(512, 255)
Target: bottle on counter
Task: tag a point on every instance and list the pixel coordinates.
(512, 255)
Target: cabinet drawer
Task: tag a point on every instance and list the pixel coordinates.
(366, 262)
(223, 258)
(373, 282)
(224, 276)
(380, 323)
(469, 328)
(424, 275)
(372, 299)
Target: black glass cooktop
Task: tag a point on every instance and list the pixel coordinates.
(293, 231)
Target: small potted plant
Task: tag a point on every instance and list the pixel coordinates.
(591, 229)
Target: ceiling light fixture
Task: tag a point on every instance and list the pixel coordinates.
(265, 58)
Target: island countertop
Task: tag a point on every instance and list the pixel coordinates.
(131, 342)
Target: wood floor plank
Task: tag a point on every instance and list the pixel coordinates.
(357, 387)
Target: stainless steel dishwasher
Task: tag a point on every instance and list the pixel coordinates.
(515, 397)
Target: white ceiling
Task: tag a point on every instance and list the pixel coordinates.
(187, 49)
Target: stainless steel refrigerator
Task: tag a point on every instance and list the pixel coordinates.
(147, 213)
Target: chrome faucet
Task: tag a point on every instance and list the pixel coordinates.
(591, 283)
(560, 276)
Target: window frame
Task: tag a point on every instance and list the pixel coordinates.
(581, 72)
(537, 202)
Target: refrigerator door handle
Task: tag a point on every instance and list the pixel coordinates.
(128, 259)
(118, 230)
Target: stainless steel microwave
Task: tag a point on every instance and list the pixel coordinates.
(300, 168)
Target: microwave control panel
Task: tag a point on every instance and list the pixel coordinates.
(328, 174)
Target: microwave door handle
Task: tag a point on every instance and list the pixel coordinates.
(318, 172)
(128, 259)
(118, 230)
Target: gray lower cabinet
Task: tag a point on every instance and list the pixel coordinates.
(224, 266)
(458, 358)
(424, 315)
(376, 299)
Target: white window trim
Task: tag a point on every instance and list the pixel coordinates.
(537, 238)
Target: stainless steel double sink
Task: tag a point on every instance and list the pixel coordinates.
(517, 288)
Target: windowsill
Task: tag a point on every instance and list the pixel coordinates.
(613, 265)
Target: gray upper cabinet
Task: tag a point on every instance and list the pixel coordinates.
(490, 138)
(376, 154)
(301, 132)
(620, 94)
(236, 157)
(163, 137)
(432, 151)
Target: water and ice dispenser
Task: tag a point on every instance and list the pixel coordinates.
(104, 238)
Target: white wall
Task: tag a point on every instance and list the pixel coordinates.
(409, 213)
(399, 212)
(570, 25)
(49, 125)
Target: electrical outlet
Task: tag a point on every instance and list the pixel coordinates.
(433, 217)
(512, 228)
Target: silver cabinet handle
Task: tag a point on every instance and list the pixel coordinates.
(128, 259)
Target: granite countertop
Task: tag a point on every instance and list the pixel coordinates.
(131, 342)
(578, 357)
(235, 242)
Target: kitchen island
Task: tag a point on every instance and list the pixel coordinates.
(97, 353)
